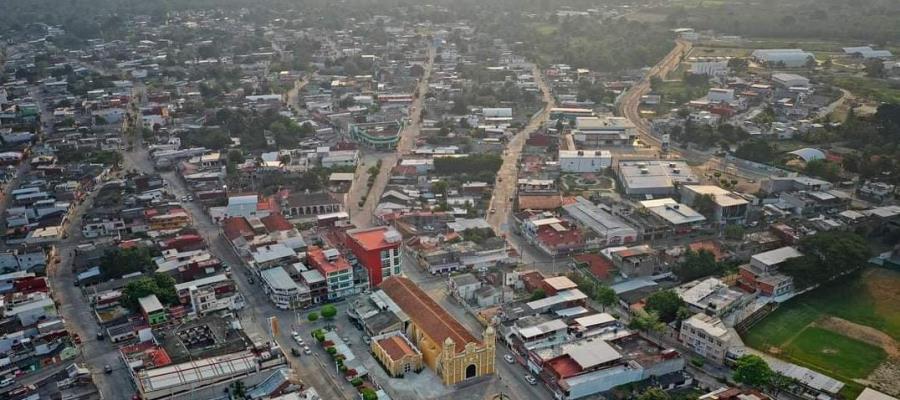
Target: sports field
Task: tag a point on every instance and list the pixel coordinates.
(849, 331)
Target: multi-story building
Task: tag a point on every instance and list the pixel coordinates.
(335, 268)
(604, 132)
(762, 272)
(728, 207)
(378, 251)
(377, 135)
(707, 336)
(282, 290)
(172, 220)
(210, 294)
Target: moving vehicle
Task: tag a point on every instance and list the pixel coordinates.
(530, 379)
(107, 369)
(306, 350)
(509, 359)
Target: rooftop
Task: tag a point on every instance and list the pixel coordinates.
(376, 238)
(428, 316)
(397, 347)
(278, 279)
(777, 256)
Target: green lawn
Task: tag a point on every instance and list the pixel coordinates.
(834, 354)
(781, 326)
(871, 298)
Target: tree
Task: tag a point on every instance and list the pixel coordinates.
(605, 296)
(697, 265)
(369, 394)
(734, 232)
(826, 256)
(159, 284)
(440, 187)
(646, 322)
(235, 156)
(752, 370)
(738, 65)
(664, 303)
(654, 393)
(118, 262)
(238, 390)
(705, 205)
(875, 68)
(328, 311)
(824, 169)
(537, 295)
(312, 317)
(756, 150)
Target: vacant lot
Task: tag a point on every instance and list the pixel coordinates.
(845, 330)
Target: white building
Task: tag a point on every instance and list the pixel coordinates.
(581, 161)
(790, 80)
(282, 290)
(710, 68)
(790, 58)
(707, 336)
(720, 95)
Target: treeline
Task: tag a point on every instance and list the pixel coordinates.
(826, 255)
(868, 20)
(474, 164)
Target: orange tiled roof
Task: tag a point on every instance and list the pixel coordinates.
(428, 316)
(395, 347)
(276, 222)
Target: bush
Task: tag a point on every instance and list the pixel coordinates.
(312, 317)
(356, 382)
(331, 350)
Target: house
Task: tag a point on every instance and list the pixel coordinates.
(464, 285)
(446, 346)
(762, 272)
(210, 294)
(679, 217)
(153, 310)
(711, 296)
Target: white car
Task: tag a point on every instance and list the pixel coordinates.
(530, 379)
(306, 350)
(509, 358)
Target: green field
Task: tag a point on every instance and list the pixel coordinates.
(881, 90)
(796, 332)
(835, 354)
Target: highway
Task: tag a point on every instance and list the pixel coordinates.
(629, 106)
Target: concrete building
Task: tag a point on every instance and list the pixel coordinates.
(729, 208)
(581, 161)
(681, 218)
(601, 132)
(654, 178)
(210, 294)
(762, 272)
(282, 290)
(377, 135)
(397, 354)
(446, 346)
(707, 336)
(611, 230)
(378, 251)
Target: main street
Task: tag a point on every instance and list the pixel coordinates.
(362, 216)
(254, 317)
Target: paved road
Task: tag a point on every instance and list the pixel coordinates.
(629, 106)
(254, 316)
(362, 216)
(505, 185)
(510, 379)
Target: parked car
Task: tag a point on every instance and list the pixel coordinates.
(6, 382)
(295, 352)
(107, 369)
(306, 350)
(530, 379)
(509, 358)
